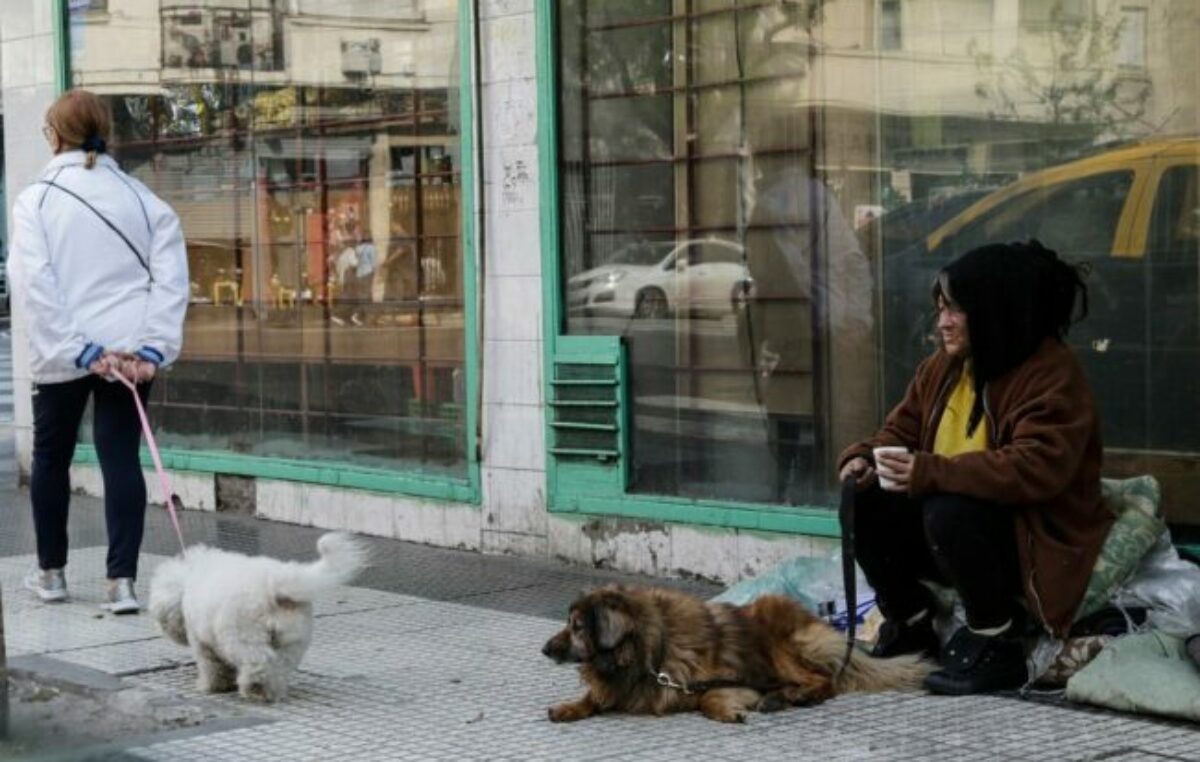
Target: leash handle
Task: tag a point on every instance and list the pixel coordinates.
(849, 576)
(169, 497)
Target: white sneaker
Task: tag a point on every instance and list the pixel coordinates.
(49, 585)
(121, 599)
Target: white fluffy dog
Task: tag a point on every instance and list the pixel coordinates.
(248, 619)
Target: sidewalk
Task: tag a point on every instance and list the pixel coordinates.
(436, 655)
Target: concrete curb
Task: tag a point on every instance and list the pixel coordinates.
(113, 751)
(123, 698)
(67, 677)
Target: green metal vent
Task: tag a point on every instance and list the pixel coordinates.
(588, 410)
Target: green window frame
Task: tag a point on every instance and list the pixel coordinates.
(348, 475)
(572, 487)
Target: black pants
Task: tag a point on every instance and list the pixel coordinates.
(57, 412)
(966, 543)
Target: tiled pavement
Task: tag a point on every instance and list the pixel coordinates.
(435, 655)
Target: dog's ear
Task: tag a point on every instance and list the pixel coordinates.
(612, 625)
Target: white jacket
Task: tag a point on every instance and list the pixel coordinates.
(85, 285)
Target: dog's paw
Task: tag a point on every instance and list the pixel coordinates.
(772, 702)
(257, 692)
(215, 683)
(737, 716)
(568, 712)
(724, 714)
(811, 698)
(796, 695)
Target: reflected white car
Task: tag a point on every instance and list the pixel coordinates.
(653, 280)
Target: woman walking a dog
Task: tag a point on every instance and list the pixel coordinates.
(99, 268)
(992, 481)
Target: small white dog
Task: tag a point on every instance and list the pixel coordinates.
(248, 619)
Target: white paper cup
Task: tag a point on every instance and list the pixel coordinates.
(884, 480)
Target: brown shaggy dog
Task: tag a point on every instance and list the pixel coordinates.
(654, 651)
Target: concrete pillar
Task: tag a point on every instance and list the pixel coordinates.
(513, 475)
(28, 88)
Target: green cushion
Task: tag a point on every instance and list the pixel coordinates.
(1148, 673)
(1138, 526)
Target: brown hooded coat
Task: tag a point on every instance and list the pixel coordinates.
(1043, 460)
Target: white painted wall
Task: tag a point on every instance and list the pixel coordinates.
(27, 79)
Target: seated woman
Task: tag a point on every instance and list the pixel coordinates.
(998, 494)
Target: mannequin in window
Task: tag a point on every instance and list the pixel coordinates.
(363, 275)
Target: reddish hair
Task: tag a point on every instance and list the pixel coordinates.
(77, 116)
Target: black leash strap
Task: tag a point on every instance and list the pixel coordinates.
(849, 577)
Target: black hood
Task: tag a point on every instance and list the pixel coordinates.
(1014, 296)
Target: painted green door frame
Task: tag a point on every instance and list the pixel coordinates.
(350, 475)
(564, 495)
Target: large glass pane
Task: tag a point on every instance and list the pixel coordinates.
(311, 149)
(841, 153)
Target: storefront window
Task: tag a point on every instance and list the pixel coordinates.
(757, 195)
(311, 149)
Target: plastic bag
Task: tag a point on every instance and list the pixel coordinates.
(811, 581)
(1163, 583)
(1043, 656)
(1168, 586)
(815, 582)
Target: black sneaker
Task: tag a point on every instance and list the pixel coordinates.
(973, 663)
(899, 638)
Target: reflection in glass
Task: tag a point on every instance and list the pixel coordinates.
(844, 152)
(311, 149)
(692, 208)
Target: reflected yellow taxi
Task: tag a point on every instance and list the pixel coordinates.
(1132, 212)
(1105, 202)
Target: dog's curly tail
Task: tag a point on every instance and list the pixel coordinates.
(343, 556)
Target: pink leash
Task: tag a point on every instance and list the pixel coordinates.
(169, 497)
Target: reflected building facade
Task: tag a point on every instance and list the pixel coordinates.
(827, 142)
(311, 149)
